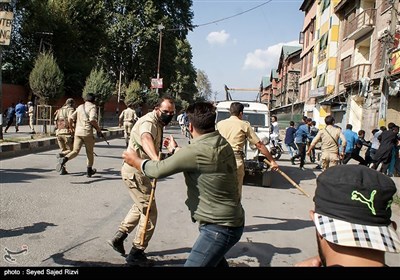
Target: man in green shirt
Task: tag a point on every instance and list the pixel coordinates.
(209, 167)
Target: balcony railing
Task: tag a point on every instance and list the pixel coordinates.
(361, 24)
(355, 73)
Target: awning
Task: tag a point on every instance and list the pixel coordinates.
(329, 98)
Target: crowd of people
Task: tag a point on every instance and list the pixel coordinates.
(381, 152)
(18, 113)
(348, 199)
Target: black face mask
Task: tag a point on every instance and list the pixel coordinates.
(165, 118)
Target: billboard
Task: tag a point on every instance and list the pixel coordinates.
(156, 83)
(395, 56)
(5, 27)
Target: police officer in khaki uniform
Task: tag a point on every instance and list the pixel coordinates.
(236, 132)
(127, 118)
(85, 119)
(329, 138)
(146, 138)
(31, 114)
(65, 137)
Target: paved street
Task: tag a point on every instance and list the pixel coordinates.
(66, 220)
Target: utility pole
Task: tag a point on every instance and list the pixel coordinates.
(295, 85)
(160, 28)
(388, 42)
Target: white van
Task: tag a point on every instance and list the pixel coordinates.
(257, 114)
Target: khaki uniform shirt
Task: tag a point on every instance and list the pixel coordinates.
(65, 113)
(149, 123)
(128, 115)
(236, 131)
(30, 111)
(328, 145)
(82, 117)
(209, 167)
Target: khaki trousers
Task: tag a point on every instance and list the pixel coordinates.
(127, 130)
(240, 173)
(139, 187)
(89, 145)
(329, 160)
(31, 124)
(66, 143)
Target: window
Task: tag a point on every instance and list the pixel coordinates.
(301, 38)
(321, 80)
(325, 4)
(350, 23)
(323, 43)
(345, 63)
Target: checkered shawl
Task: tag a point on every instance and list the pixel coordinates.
(383, 238)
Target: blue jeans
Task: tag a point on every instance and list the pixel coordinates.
(292, 149)
(212, 244)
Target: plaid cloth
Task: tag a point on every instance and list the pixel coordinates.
(353, 208)
(355, 235)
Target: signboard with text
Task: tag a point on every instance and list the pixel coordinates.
(396, 56)
(6, 19)
(157, 83)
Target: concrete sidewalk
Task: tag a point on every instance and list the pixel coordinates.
(20, 143)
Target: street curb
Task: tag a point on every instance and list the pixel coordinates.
(16, 149)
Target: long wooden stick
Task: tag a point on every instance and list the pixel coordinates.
(288, 178)
(146, 220)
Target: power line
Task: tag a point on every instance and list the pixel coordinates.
(235, 15)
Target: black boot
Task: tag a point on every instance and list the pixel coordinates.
(91, 171)
(61, 163)
(63, 171)
(60, 155)
(118, 242)
(137, 257)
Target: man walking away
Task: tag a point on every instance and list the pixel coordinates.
(313, 132)
(145, 142)
(85, 119)
(20, 111)
(10, 114)
(301, 137)
(383, 155)
(209, 167)
(329, 137)
(352, 142)
(127, 119)
(237, 132)
(289, 139)
(64, 132)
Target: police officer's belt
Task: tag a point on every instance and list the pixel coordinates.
(238, 154)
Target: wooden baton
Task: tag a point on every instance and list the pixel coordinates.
(146, 220)
(288, 178)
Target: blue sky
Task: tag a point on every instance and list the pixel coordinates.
(240, 50)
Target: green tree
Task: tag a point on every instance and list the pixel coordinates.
(151, 98)
(46, 79)
(203, 86)
(184, 85)
(134, 94)
(133, 38)
(117, 35)
(98, 84)
(74, 30)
